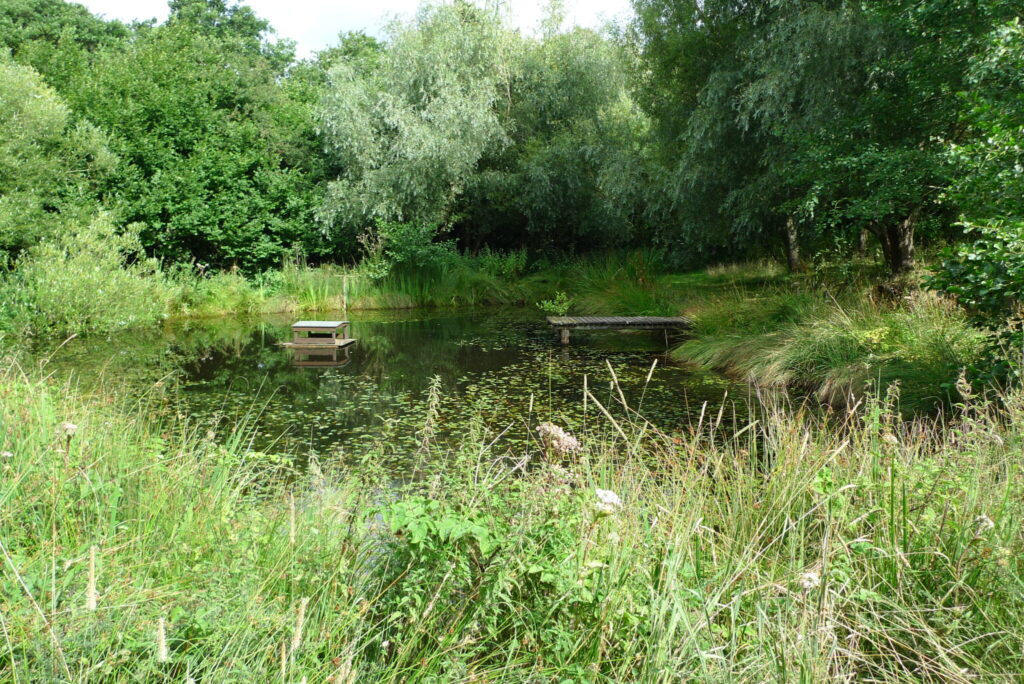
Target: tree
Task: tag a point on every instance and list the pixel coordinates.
(987, 274)
(410, 132)
(867, 94)
(55, 37)
(215, 152)
(571, 172)
(693, 66)
(50, 167)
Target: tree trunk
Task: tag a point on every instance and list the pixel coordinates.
(897, 241)
(792, 245)
(862, 244)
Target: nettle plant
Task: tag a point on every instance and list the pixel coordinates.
(528, 562)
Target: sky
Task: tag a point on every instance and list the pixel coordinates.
(315, 24)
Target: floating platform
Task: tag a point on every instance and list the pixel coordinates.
(314, 344)
(319, 334)
(565, 324)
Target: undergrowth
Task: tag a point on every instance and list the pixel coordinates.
(844, 548)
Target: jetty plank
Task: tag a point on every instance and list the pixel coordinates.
(565, 324)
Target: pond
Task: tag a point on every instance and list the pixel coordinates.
(490, 375)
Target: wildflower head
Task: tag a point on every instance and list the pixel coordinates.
(809, 580)
(67, 429)
(608, 502)
(558, 440)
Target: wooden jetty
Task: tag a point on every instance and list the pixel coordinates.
(312, 334)
(566, 324)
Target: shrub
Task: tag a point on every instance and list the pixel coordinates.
(87, 279)
(987, 276)
(405, 246)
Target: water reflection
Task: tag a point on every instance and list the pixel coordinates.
(491, 368)
(313, 357)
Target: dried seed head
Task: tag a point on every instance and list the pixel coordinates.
(162, 655)
(300, 621)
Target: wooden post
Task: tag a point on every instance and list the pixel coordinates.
(565, 335)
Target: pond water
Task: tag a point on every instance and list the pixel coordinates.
(495, 375)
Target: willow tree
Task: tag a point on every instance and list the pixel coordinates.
(410, 131)
(694, 66)
(868, 95)
(572, 173)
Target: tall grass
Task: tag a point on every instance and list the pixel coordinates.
(790, 549)
(837, 348)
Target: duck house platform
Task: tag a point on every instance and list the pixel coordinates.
(566, 324)
(312, 334)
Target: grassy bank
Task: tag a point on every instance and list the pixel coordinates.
(834, 339)
(82, 285)
(134, 548)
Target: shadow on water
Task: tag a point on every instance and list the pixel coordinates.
(491, 366)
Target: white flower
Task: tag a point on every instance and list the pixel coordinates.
(607, 501)
(67, 428)
(809, 580)
(984, 523)
(6, 454)
(890, 438)
(557, 439)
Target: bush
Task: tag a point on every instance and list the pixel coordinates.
(405, 246)
(87, 279)
(986, 276)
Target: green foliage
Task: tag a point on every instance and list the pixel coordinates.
(212, 146)
(88, 279)
(901, 537)
(754, 132)
(986, 275)
(396, 247)
(558, 305)
(508, 265)
(54, 37)
(49, 166)
(410, 134)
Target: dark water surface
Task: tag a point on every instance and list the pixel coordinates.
(488, 368)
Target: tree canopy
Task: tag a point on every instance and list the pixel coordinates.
(714, 129)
